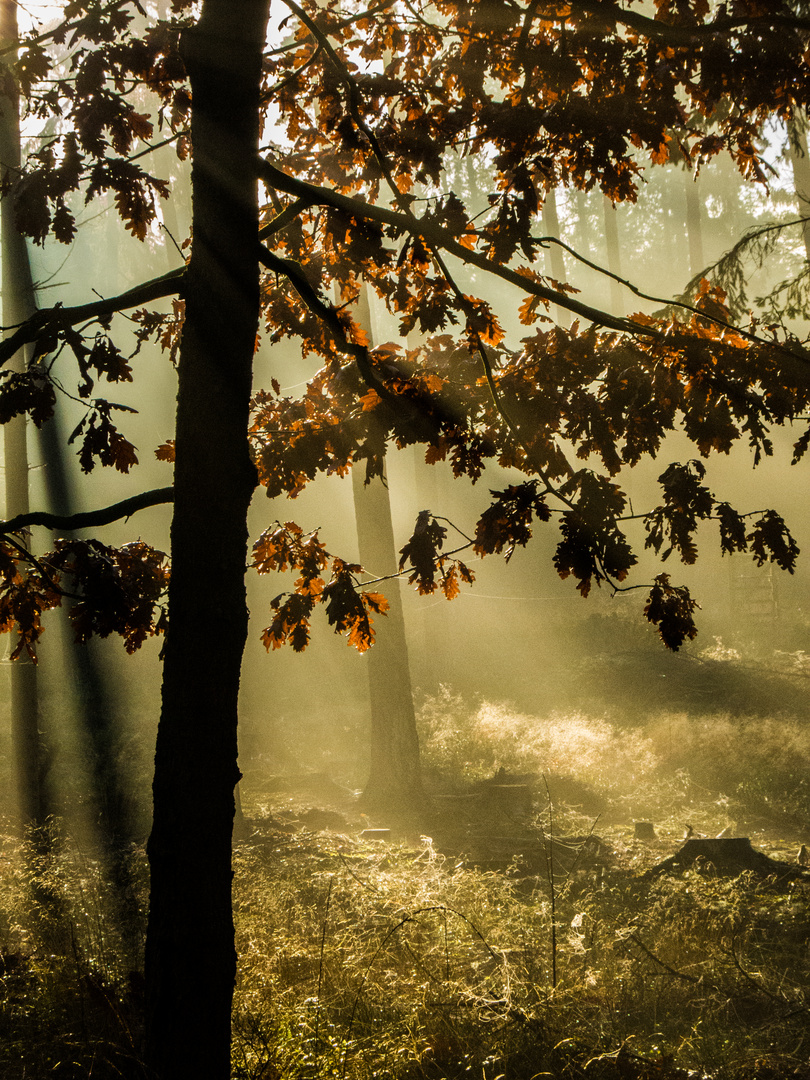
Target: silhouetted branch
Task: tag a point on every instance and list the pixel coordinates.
(314, 194)
(89, 518)
(49, 320)
(687, 35)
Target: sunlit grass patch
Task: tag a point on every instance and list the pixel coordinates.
(408, 960)
(367, 961)
(719, 770)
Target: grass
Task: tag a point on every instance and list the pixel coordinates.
(739, 769)
(467, 953)
(402, 962)
(70, 989)
(411, 960)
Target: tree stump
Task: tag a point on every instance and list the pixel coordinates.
(514, 800)
(644, 830)
(726, 855)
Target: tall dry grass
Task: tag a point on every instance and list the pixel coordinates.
(732, 771)
(406, 961)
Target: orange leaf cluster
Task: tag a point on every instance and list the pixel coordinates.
(413, 141)
(348, 607)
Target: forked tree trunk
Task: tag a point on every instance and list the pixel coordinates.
(190, 953)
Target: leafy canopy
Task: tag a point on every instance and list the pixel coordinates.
(409, 147)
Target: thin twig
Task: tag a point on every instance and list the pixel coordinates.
(672, 971)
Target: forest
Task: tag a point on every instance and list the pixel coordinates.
(403, 576)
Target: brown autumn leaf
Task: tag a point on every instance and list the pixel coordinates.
(165, 452)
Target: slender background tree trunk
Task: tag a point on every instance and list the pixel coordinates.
(394, 774)
(190, 954)
(395, 779)
(35, 799)
(800, 162)
(614, 257)
(694, 223)
(89, 683)
(18, 304)
(555, 262)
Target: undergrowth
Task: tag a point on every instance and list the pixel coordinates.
(361, 961)
(482, 950)
(71, 983)
(753, 768)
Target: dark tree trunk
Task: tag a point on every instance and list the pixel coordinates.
(190, 954)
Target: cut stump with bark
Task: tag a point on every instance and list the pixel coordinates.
(509, 799)
(726, 855)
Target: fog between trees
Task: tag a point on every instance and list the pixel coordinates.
(521, 635)
(519, 677)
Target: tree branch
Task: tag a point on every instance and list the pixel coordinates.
(298, 42)
(47, 320)
(417, 418)
(61, 29)
(436, 236)
(678, 302)
(686, 35)
(89, 518)
(440, 237)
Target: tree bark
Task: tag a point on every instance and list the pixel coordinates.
(19, 304)
(555, 262)
(395, 778)
(190, 953)
(694, 223)
(432, 650)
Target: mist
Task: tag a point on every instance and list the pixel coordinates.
(520, 638)
(528, 875)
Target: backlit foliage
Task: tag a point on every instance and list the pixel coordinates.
(370, 115)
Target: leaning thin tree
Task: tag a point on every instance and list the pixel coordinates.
(365, 110)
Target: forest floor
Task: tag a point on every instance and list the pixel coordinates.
(501, 944)
(517, 930)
